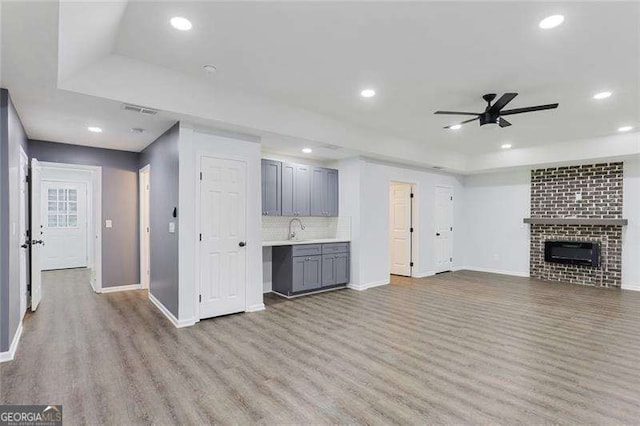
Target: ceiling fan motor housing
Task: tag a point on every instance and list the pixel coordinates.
(488, 118)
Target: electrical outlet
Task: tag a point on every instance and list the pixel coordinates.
(108, 223)
(578, 196)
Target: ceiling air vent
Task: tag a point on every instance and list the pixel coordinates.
(139, 109)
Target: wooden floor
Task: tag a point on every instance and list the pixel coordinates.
(464, 348)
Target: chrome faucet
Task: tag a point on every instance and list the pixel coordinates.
(292, 235)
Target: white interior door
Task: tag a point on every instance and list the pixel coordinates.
(444, 228)
(64, 220)
(24, 237)
(400, 228)
(223, 230)
(36, 235)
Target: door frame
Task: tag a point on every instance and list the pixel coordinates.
(94, 215)
(435, 230)
(144, 174)
(198, 224)
(413, 249)
(25, 204)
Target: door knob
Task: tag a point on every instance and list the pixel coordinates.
(437, 234)
(26, 244)
(242, 243)
(34, 242)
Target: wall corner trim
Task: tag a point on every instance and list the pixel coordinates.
(361, 287)
(11, 353)
(255, 308)
(120, 288)
(176, 323)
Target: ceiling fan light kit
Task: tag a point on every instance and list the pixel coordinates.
(493, 112)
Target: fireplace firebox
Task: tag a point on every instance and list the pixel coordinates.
(572, 252)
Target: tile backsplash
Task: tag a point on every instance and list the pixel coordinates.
(276, 228)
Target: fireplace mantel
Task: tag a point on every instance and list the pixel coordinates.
(575, 221)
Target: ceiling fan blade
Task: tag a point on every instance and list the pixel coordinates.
(503, 123)
(462, 122)
(502, 102)
(528, 109)
(456, 113)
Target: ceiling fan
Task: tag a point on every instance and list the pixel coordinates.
(493, 112)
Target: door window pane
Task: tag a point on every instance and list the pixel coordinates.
(73, 195)
(52, 221)
(52, 194)
(62, 221)
(62, 208)
(73, 220)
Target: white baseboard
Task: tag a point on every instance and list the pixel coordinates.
(11, 353)
(630, 287)
(255, 308)
(167, 313)
(121, 288)
(494, 271)
(361, 287)
(423, 274)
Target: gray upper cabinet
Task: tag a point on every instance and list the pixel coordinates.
(324, 192)
(296, 181)
(290, 189)
(271, 188)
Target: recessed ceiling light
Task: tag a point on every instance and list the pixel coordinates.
(551, 22)
(368, 93)
(210, 68)
(602, 95)
(94, 129)
(307, 150)
(625, 128)
(137, 130)
(455, 126)
(505, 146)
(180, 23)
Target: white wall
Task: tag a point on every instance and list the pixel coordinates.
(631, 233)
(364, 195)
(192, 144)
(495, 238)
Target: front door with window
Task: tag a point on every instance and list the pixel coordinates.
(64, 223)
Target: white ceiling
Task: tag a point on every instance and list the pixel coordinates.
(420, 57)
(291, 74)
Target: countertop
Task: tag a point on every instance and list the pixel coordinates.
(298, 242)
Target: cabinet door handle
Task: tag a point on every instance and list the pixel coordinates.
(242, 243)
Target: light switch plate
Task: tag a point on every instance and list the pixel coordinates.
(578, 196)
(172, 227)
(108, 223)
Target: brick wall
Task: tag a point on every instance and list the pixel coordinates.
(553, 195)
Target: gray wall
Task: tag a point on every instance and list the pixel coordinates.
(12, 137)
(162, 156)
(120, 244)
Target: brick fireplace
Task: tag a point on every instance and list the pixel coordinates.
(578, 204)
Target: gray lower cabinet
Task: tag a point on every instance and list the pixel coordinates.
(271, 188)
(305, 268)
(307, 273)
(296, 181)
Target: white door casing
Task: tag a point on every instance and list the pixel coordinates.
(223, 202)
(36, 235)
(64, 220)
(444, 228)
(24, 237)
(400, 228)
(145, 226)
